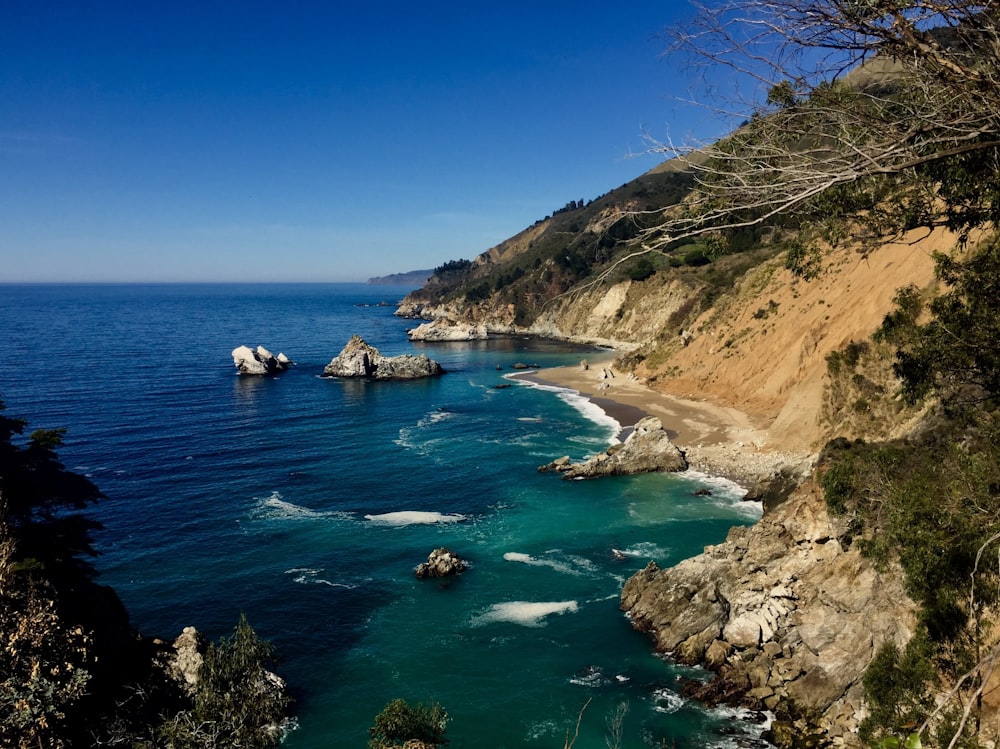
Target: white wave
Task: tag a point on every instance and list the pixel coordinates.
(525, 613)
(543, 728)
(276, 508)
(727, 494)
(307, 575)
(666, 701)
(530, 419)
(717, 484)
(414, 517)
(581, 403)
(435, 417)
(611, 597)
(591, 676)
(643, 550)
(583, 565)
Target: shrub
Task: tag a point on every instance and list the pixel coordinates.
(237, 701)
(400, 722)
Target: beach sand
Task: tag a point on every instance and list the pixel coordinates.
(716, 439)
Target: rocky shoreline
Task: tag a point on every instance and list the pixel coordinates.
(782, 612)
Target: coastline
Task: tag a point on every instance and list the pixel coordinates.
(716, 440)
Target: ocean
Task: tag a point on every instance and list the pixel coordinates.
(306, 502)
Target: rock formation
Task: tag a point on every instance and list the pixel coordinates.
(188, 655)
(647, 449)
(359, 359)
(442, 330)
(783, 613)
(259, 362)
(441, 562)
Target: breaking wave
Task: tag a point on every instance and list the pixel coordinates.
(525, 613)
(414, 517)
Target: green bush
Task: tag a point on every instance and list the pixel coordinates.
(400, 722)
(237, 701)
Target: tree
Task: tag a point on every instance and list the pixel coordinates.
(891, 105)
(42, 502)
(46, 663)
(956, 354)
(237, 701)
(400, 722)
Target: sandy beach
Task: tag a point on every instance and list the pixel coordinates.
(716, 440)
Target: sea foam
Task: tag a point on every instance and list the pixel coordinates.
(275, 507)
(582, 404)
(307, 575)
(414, 517)
(525, 613)
(573, 565)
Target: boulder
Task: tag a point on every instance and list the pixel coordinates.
(359, 359)
(442, 330)
(647, 449)
(259, 362)
(441, 562)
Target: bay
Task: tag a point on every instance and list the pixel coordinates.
(306, 502)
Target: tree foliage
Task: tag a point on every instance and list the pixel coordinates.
(895, 104)
(43, 501)
(955, 354)
(400, 722)
(237, 701)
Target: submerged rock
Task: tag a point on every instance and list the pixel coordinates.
(359, 359)
(441, 562)
(648, 449)
(259, 362)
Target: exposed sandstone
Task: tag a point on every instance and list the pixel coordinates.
(359, 359)
(443, 330)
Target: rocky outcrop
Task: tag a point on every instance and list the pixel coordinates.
(359, 359)
(647, 449)
(786, 615)
(259, 362)
(442, 330)
(441, 562)
(185, 662)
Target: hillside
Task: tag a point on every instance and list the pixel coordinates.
(855, 575)
(743, 331)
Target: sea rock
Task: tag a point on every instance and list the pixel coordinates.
(188, 655)
(359, 359)
(441, 562)
(442, 330)
(647, 449)
(259, 362)
(783, 612)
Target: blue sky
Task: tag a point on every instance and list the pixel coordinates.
(314, 141)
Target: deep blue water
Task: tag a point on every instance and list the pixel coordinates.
(306, 503)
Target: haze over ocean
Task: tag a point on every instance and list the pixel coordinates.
(307, 502)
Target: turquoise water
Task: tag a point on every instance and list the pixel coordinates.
(307, 502)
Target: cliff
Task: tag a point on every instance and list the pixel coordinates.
(787, 616)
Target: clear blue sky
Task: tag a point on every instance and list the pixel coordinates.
(314, 141)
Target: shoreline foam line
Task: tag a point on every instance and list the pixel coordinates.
(584, 404)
